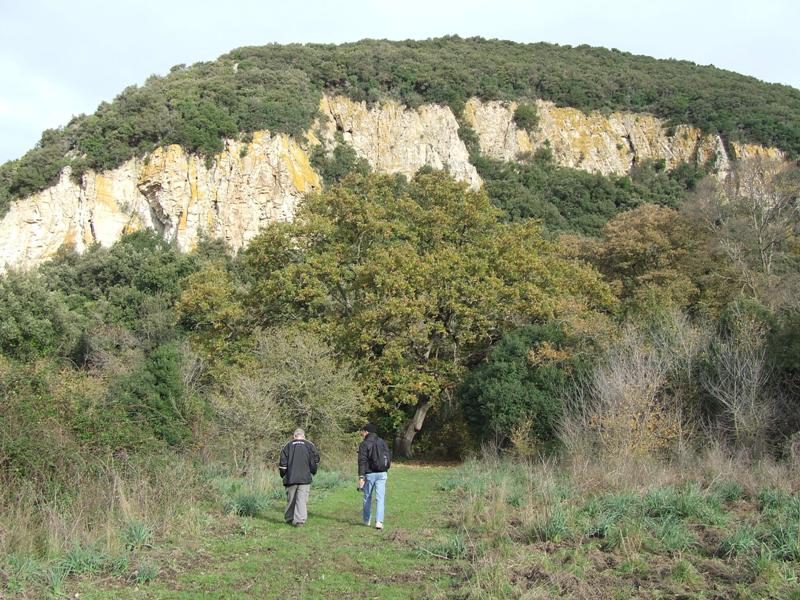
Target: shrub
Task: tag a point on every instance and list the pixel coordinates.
(154, 394)
(334, 166)
(294, 381)
(521, 382)
(247, 504)
(137, 535)
(526, 117)
(146, 571)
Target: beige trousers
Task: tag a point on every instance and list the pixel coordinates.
(297, 503)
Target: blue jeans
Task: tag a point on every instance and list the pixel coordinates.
(374, 485)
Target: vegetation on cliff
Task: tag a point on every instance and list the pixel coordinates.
(278, 88)
(636, 332)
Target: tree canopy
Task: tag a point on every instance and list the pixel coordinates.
(414, 281)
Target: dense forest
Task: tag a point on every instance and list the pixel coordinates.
(553, 314)
(278, 88)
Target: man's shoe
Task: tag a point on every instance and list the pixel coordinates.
(298, 524)
(378, 525)
(366, 523)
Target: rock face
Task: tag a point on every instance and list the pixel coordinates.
(251, 184)
(247, 186)
(601, 144)
(396, 139)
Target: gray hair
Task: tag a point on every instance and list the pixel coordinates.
(299, 434)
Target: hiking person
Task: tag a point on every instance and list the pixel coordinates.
(297, 466)
(374, 460)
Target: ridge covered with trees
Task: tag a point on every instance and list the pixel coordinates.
(278, 88)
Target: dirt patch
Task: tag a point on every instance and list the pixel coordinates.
(720, 571)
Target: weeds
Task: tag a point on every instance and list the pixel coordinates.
(247, 504)
(592, 524)
(451, 548)
(742, 542)
(146, 572)
(137, 535)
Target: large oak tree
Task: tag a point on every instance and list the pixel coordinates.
(413, 281)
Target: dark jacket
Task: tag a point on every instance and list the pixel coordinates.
(364, 449)
(298, 462)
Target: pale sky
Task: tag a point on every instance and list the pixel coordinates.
(60, 58)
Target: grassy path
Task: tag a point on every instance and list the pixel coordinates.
(333, 556)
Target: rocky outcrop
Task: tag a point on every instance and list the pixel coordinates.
(598, 143)
(247, 186)
(251, 184)
(396, 139)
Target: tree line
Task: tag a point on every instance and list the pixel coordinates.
(278, 88)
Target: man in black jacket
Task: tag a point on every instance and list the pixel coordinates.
(297, 466)
(371, 477)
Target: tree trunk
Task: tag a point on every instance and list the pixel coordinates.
(403, 440)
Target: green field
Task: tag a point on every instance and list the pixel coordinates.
(333, 556)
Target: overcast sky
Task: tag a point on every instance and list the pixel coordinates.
(59, 58)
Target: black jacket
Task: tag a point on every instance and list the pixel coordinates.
(298, 462)
(364, 449)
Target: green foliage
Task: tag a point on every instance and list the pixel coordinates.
(82, 559)
(411, 280)
(128, 283)
(292, 378)
(247, 503)
(342, 160)
(329, 480)
(522, 378)
(154, 394)
(452, 547)
(34, 321)
(727, 491)
(137, 535)
(526, 117)
(741, 542)
(567, 199)
(552, 527)
(278, 88)
(688, 502)
(146, 571)
(658, 258)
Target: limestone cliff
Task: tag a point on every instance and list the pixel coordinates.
(251, 184)
(247, 186)
(597, 143)
(396, 139)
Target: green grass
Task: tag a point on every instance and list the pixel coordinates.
(333, 556)
(519, 535)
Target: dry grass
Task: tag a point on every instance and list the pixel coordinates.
(97, 507)
(528, 527)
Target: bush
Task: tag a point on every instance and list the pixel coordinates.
(526, 117)
(293, 380)
(247, 504)
(522, 380)
(342, 160)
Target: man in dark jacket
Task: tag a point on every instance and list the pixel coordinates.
(371, 479)
(297, 466)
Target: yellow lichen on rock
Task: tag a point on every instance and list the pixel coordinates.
(303, 176)
(751, 151)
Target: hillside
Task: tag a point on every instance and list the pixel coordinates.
(278, 88)
(578, 266)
